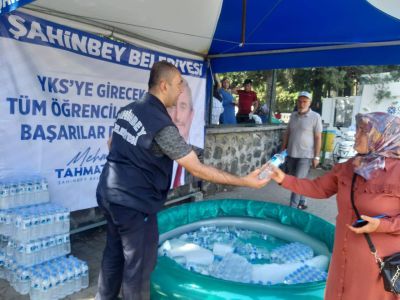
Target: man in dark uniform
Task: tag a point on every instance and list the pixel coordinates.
(135, 180)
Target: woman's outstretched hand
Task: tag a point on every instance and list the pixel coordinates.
(371, 226)
(275, 173)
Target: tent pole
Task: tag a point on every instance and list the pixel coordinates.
(244, 7)
(271, 88)
(309, 49)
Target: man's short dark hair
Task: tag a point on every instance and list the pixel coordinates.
(248, 81)
(160, 70)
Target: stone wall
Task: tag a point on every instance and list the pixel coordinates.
(234, 149)
(240, 150)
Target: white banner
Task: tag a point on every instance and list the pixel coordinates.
(60, 92)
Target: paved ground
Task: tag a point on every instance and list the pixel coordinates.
(89, 246)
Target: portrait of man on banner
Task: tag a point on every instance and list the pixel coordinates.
(183, 115)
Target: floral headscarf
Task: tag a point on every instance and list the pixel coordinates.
(383, 132)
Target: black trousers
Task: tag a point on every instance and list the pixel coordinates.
(244, 119)
(130, 254)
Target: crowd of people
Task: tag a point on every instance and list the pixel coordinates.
(139, 172)
(248, 107)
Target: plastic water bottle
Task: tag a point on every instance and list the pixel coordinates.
(63, 280)
(276, 160)
(4, 195)
(290, 253)
(46, 286)
(24, 281)
(35, 286)
(78, 275)
(233, 267)
(13, 194)
(44, 190)
(305, 274)
(54, 280)
(70, 279)
(2, 261)
(85, 275)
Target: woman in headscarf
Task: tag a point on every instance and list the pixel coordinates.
(353, 272)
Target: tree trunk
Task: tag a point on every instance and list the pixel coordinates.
(317, 92)
(270, 94)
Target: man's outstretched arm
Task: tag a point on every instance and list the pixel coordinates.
(174, 146)
(192, 164)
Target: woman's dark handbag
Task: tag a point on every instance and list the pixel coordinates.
(390, 271)
(390, 265)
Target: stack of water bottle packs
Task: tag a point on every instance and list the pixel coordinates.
(246, 256)
(34, 241)
(291, 253)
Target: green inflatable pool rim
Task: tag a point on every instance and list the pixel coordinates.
(172, 281)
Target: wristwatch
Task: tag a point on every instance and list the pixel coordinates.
(317, 158)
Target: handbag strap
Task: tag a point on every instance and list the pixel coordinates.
(366, 235)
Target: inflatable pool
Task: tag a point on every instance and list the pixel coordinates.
(171, 281)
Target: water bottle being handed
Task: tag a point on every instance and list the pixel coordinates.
(276, 160)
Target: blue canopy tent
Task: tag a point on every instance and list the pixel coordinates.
(239, 35)
(242, 35)
(293, 34)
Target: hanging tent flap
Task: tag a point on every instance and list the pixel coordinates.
(274, 34)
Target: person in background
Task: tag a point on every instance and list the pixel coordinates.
(135, 180)
(217, 107)
(353, 271)
(302, 140)
(263, 112)
(248, 103)
(228, 102)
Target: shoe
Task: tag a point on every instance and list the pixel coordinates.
(302, 206)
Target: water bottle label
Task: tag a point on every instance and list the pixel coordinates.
(47, 243)
(22, 188)
(4, 191)
(29, 187)
(25, 276)
(21, 248)
(66, 238)
(52, 242)
(30, 248)
(59, 239)
(18, 221)
(85, 269)
(60, 217)
(49, 220)
(275, 161)
(45, 185)
(36, 220)
(26, 223)
(13, 189)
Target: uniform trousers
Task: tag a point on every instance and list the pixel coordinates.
(130, 253)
